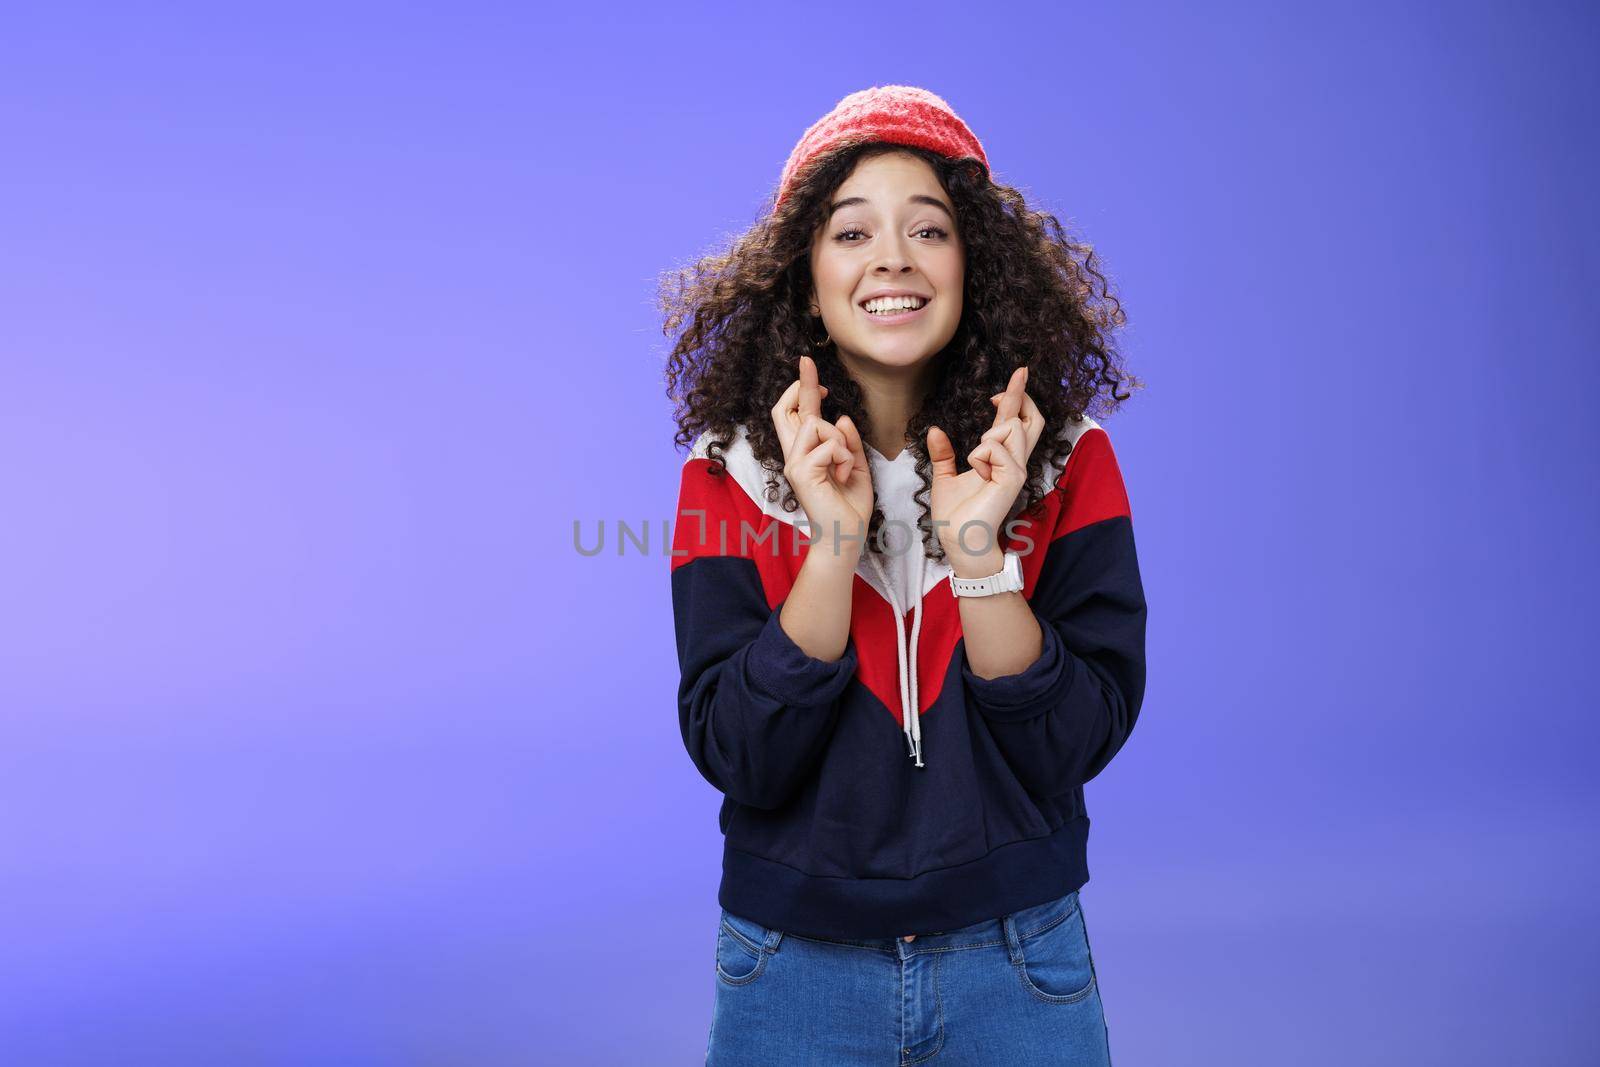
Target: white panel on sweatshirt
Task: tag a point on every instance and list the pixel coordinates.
(895, 483)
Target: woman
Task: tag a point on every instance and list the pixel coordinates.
(899, 670)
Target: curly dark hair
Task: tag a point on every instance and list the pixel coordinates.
(1030, 297)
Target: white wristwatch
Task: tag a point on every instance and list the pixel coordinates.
(1009, 580)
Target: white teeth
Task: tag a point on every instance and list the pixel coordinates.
(893, 304)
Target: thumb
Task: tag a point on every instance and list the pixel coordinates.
(941, 453)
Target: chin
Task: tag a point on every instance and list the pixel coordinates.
(902, 351)
(894, 354)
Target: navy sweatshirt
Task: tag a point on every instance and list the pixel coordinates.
(829, 828)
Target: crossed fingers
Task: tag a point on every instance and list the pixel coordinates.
(1018, 424)
(807, 438)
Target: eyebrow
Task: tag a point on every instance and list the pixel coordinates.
(915, 198)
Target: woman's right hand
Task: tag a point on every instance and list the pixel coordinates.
(825, 464)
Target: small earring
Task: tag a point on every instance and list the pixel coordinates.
(826, 337)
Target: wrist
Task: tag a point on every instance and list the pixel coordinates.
(976, 565)
(841, 543)
(828, 555)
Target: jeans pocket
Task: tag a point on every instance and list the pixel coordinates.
(743, 948)
(1053, 961)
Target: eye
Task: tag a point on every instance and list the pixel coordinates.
(856, 231)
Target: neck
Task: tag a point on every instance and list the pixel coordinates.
(892, 396)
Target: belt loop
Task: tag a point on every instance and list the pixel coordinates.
(1013, 942)
(770, 945)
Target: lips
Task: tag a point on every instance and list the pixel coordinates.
(896, 318)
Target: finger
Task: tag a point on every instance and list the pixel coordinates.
(788, 400)
(852, 439)
(810, 391)
(813, 431)
(843, 462)
(783, 419)
(1032, 422)
(856, 456)
(941, 453)
(1032, 419)
(1004, 429)
(819, 460)
(978, 460)
(1004, 441)
(1010, 434)
(1011, 401)
(1014, 440)
(994, 460)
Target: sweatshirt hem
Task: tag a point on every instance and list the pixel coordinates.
(1009, 878)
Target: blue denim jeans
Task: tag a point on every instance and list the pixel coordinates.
(1019, 990)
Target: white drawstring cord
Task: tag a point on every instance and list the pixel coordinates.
(916, 634)
(910, 716)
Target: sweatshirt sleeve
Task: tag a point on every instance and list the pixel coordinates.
(1059, 722)
(754, 709)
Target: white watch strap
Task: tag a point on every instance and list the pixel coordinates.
(1007, 580)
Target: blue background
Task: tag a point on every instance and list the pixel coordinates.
(322, 326)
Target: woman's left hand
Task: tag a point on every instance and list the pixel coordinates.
(983, 495)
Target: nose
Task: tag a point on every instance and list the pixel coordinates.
(893, 257)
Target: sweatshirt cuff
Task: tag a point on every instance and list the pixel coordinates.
(783, 671)
(1033, 691)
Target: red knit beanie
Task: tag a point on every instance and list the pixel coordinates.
(900, 114)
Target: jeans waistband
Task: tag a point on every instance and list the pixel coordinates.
(1018, 925)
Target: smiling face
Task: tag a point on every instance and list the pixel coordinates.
(892, 229)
